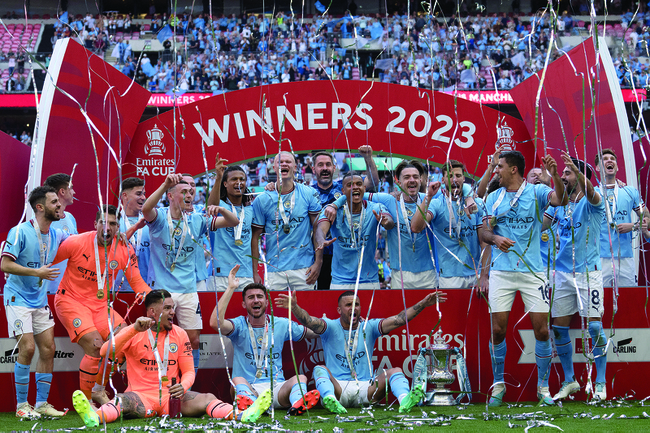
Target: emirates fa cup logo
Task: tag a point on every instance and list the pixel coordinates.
(504, 137)
(155, 146)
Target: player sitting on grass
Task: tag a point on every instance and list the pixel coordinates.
(348, 379)
(157, 351)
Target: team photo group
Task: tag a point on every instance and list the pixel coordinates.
(557, 233)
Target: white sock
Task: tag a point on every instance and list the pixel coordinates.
(39, 404)
(98, 388)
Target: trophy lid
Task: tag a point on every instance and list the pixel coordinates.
(439, 341)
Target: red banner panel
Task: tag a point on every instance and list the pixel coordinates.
(465, 324)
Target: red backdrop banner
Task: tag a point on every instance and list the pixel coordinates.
(303, 116)
(465, 324)
(93, 109)
(14, 159)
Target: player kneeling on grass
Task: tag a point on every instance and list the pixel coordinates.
(348, 379)
(157, 351)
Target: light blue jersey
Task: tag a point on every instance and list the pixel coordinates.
(244, 359)
(226, 252)
(345, 261)
(183, 278)
(521, 223)
(622, 203)
(201, 261)
(69, 226)
(580, 235)
(294, 250)
(140, 243)
(416, 256)
(456, 259)
(23, 291)
(333, 340)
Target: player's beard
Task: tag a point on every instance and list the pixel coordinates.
(52, 215)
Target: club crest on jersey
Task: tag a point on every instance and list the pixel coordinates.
(337, 194)
(173, 348)
(409, 212)
(287, 204)
(76, 322)
(18, 324)
(44, 247)
(259, 340)
(113, 265)
(177, 231)
(66, 229)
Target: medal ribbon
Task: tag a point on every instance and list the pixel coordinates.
(285, 218)
(513, 202)
(348, 217)
(453, 224)
(260, 359)
(240, 226)
(42, 254)
(137, 235)
(402, 205)
(349, 351)
(101, 276)
(162, 363)
(172, 240)
(611, 207)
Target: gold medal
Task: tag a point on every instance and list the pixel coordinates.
(286, 228)
(100, 294)
(164, 379)
(258, 374)
(544, 237)
(493, 221)
(172, 267)
(239, 242)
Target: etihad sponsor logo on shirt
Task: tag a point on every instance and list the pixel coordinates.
(515, 221)
(465, 231)
(149, 362)
(184, 250)
(355, 359)
(295, 219)
(249, 355)
(347, 242)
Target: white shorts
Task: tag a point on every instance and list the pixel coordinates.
(261, 387)
(504, 286)
(23, 320)
(297, 280)
(414, 280)
(220, 284)
(362, 286)
(625, 272)
(457, 282)
(354, 393)
(188, 310)
(565, 299)
(201, 286)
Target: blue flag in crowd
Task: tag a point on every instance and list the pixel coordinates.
(165, 33)
(64, 17)
(148, 70)
(319, 7)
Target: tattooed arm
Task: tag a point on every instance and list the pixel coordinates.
(395, 322)
(310, 322)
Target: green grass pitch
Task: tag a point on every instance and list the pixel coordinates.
(611, 416)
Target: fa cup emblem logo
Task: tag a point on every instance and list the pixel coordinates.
(155, 146)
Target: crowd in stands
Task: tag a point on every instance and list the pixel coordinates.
(230, 53)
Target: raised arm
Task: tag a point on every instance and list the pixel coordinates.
(422, 217)
(122, 337)
(485, 180)
(218, 321)
(560, 198)
(149, 206)
(215, 193)
(372, 174)
(395, 322)
(310, 322)
(584, 184)
(224, 217)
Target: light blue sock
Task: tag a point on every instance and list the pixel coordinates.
(564, 351)
(498, 355)
(21, 374)
(399, 385)
(43, 383)
(196, 355)
(323, 383)
(599, 340)
(296, 394)
(543, 358)
(243, 389)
